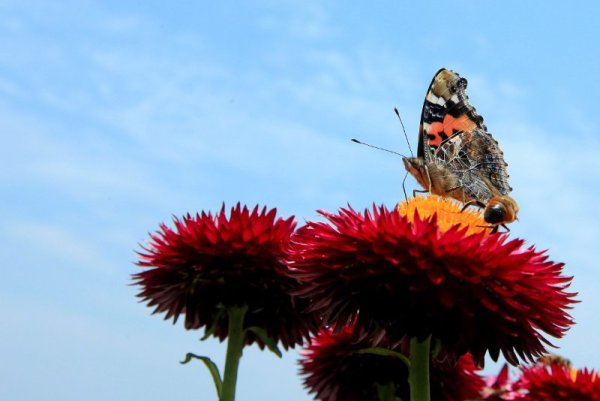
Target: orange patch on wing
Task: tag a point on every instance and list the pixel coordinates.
(448, 127)
(434, 129)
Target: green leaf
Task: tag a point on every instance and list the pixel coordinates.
(385, 352)
(437, 347)
(209, 331)
(212, 368)
(219, 316)
(269, 341)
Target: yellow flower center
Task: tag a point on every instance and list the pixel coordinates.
(449, 213)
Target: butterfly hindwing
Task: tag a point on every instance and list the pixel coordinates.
(475, 158)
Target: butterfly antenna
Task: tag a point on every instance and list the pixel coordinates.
(376, 147)
(404, 130)
(404, 186)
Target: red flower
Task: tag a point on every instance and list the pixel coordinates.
(334, 370)
(559, 382)
(501, 388)
(208, 263)
(455, 380)
(419, 276)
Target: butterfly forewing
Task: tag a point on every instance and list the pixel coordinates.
(446, 112)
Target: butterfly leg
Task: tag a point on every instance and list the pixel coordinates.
(404, 187)
(428, 180)
(421, 191)
(497, 226)
(448, 191)
(472, 203)
(494, 228)
(414, 190)
(424, 191)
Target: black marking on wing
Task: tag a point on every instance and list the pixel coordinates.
(435, 112)
(432, 112)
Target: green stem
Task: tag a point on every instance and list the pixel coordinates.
(419, 369)
(235, 346)
(386, 392)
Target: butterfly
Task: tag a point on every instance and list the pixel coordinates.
(457, 156)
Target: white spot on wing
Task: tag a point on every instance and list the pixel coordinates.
(432, 98)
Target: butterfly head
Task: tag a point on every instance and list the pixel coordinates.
(501, 210)
(417, 168)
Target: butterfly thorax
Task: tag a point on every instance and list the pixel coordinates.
(434, 177)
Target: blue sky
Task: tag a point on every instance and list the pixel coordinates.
(115, 116)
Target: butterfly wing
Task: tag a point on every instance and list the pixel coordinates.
(446, 112)
(476, 159)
